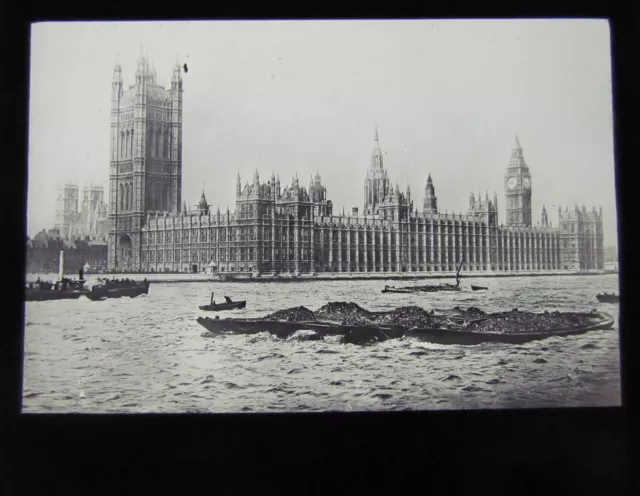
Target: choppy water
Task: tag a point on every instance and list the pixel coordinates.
(148, 354)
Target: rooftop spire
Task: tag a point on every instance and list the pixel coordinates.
(376, 135)
(516, 143)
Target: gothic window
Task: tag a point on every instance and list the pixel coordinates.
(165, 145)
(126, 143)
(151, 136)
(157, 144)
(167, 237)
(165, 197)
(148, 195)
(122, 144)
(156, 196)
(130, 196)
(121, 197)
(177, 237)
(131, 152)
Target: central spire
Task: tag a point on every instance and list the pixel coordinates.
(376, 162)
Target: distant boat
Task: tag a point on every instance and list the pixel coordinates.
(227, 305)
(421, 289)
(478, 288)
(608, 298)
(118, 289)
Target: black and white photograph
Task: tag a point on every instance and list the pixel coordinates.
(320, 216)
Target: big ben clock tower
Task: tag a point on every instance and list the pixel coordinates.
(517, 188)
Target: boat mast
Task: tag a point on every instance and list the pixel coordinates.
(115, 246)
(61, 266)
(458, 273)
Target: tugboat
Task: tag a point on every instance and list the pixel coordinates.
(62, 289)
(117, 288)
(228, 305)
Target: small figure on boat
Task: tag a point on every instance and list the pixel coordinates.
(81, 274)
(228, 305)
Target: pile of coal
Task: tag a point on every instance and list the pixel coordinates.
(474, 313)
(525, 322)
(295, 314)
(410, 316)
(344, 313)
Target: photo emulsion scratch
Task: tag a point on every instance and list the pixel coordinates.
(320, 216)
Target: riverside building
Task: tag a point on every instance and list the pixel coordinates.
(288, 228)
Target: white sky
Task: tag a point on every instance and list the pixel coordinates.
(304, 96)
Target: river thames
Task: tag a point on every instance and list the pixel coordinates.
(148, 354)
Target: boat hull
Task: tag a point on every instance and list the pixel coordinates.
(608, 298)
(102, 292)
(423, 289)
(49, 295)
(218, 307)
(372, 334)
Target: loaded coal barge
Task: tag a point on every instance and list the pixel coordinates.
(464, 327)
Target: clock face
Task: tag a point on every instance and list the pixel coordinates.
(512, 183)
(526, 182)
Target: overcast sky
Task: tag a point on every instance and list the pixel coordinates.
(304, 96)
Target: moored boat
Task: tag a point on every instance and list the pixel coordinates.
(478, 288)
(430, 288)
(46, 291)
(63, 289)
(109, 288)
(608, 298)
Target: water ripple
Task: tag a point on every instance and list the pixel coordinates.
(149, 355)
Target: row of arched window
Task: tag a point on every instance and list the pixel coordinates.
(126, 197)
(157, 197)
(126, 143)
(158, 142)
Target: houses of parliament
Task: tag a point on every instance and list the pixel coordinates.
(280, 228)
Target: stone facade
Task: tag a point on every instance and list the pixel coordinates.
(293, 229)
(145, 175)
(43, 253)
